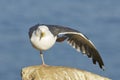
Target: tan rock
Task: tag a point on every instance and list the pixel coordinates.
(58, 73)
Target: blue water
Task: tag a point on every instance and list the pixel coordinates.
(98, 19)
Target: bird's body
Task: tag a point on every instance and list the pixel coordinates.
(43, 37)
(47, 40)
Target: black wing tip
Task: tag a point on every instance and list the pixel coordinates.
(100, 63)
(94, 54)
(102, 67)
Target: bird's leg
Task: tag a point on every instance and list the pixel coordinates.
(41, 55)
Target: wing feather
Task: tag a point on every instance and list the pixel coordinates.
(83, 44)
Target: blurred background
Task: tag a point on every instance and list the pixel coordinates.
(98, 19)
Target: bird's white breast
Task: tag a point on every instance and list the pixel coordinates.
(46, 42)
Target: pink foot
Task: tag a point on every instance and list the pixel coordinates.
(45, 65)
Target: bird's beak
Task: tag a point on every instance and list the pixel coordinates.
(42, 35)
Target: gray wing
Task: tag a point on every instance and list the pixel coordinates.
(78, 41)
(83, 44)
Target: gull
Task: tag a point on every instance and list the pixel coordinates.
(44, 36)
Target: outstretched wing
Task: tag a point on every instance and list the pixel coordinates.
(83, 44)
(78, 41)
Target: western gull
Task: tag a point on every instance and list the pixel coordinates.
(44, 36)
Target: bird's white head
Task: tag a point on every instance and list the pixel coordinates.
(41, 31)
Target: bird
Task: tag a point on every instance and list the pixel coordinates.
(44, 36)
